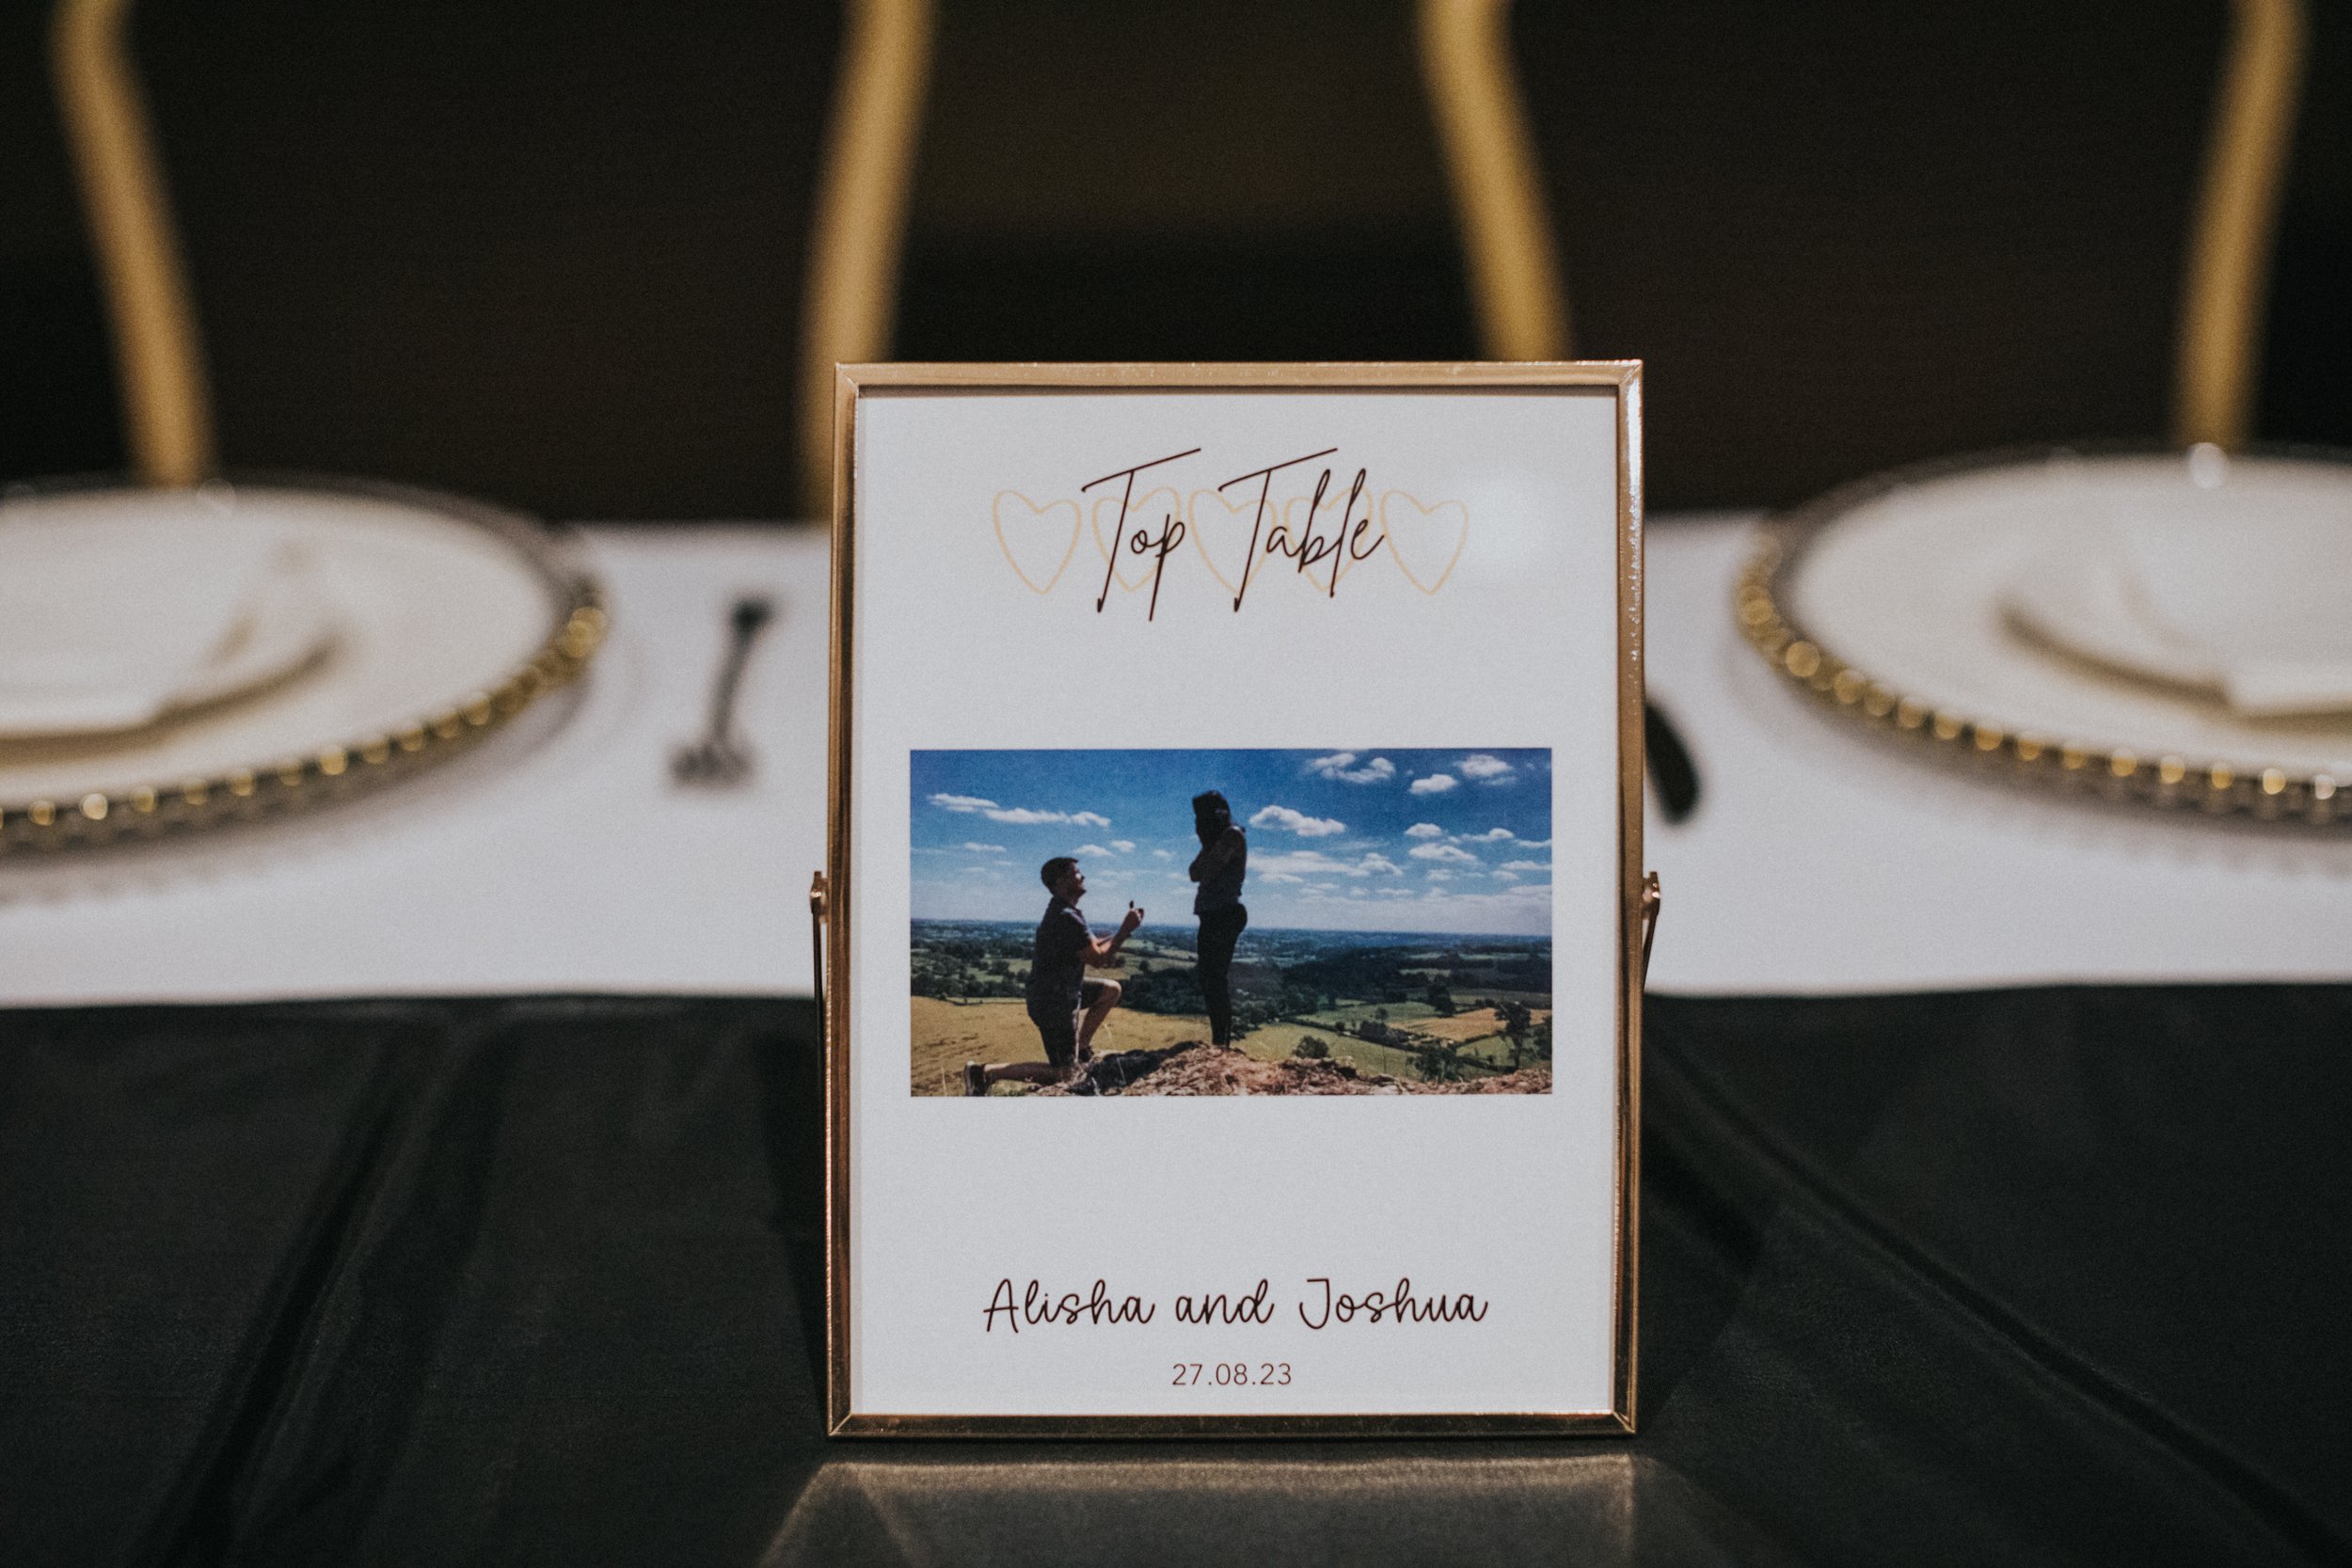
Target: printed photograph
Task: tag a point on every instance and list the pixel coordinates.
(1263, 922)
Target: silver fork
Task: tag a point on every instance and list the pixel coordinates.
(720, 757)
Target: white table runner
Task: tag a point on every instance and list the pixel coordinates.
(1822, 859)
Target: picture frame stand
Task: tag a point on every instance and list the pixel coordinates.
(1238, 553)
(819, 980)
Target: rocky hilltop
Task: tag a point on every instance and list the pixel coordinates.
(1195, 1066)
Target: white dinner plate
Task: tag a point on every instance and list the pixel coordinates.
(375, 630)
(2117, 620)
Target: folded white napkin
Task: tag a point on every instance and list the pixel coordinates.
(2255, 609)
(113, 618)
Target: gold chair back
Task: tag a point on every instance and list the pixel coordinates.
(1521, 293)
(850, 279)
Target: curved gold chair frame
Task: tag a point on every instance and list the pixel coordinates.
(1516, 288)
(159, 357)
(860, 222)
(852, 284)
(1520, 297)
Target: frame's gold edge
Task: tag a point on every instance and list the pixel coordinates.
(1266, 1427)
(1632, 677)
(1245, 376)
(853, 382)
(838, 894)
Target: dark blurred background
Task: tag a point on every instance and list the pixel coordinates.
(550, 252)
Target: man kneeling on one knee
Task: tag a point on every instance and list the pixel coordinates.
(1066, 1006)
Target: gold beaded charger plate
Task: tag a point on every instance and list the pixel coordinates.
(380, 630)
(2111, 622)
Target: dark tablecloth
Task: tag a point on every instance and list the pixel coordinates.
(2052, 1275)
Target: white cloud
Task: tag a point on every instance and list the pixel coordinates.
(1441, 876)
(1297, 822)
(962, 802)
(1492, 835)
(984, 848)
(1124, 846)
(1019, 817)
(1424, 829)
(1024, 817)
(1339, 765)
(1314, 863)
(1278, 879)
(1484, 768)
(1444, 853)
(1293, 862)
(1506, 876)
(1526, 865)
(977, 871)
(1437, 783)
(1094, 849)
(1163, 854)
(1466, 903)
(1523, 905)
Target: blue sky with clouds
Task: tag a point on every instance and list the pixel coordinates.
(1370, 840)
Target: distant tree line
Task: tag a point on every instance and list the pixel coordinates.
(1377, 974)
(973, 968)
(939, 973)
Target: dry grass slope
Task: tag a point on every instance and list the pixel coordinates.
(1222, 1070)
(949, 1034)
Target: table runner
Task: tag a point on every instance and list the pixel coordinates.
(2041, 1276)
(1821, 859)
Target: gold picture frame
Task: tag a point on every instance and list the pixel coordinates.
(834, 889)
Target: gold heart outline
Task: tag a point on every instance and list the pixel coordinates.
(1200, 535)
(1387, 533)
(1143, 506)
(996, 517)
(1334, 500)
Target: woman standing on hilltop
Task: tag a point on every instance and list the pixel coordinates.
(1224, 858)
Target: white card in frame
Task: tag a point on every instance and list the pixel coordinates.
(1232, 918)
